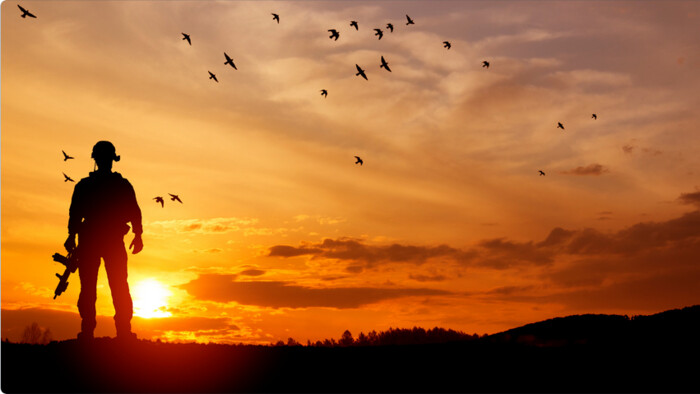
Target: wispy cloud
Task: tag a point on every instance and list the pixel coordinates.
(692, 198)
(502, 253)
(427, 278)
(362, 255)
(566, 261)
(201, 226)
(279, 294)
(211, 250)
(591, 169)
(252, 272)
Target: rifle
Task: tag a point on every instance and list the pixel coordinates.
(71, 263)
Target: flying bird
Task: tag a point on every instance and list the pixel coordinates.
(160, 200)
(447, 44)
(334, 34)
(410, 21)
(67, 178)
(594, 116)
(359, 161)
(485, 64)
(385, 65)
(379, 33)
(276, 17)
(175, 197)
(186, 37)
(66, 157)
(354, 23)
(230, 61)
(361, 72)
(324, 92)
(25, 13)
(390, 27)
(212, 76)
(560, 126)
(541, 173)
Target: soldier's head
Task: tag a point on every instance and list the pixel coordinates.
(104, 154)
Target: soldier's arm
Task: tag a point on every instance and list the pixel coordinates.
(75, 216)
(134, 216)
(134, 212)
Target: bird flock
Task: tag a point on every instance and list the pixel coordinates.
(66, 156)
(161, 200)
(335, 35)
(158, 199)
(379, 33)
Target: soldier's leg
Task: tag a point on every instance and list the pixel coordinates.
(115, 265)
(87, 271)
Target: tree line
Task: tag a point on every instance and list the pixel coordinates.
(392, 336)
(34, 334)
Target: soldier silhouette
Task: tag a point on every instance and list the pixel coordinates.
(102, 205)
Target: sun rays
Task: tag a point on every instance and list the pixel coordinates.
(150, 298)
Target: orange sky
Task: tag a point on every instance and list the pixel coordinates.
(281, 235)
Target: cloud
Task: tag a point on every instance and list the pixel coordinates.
(211, 250)
(630, 148)
(633, 239)
(591, 169)
(427, 278)
(646, 265)
(659, 292)
(690, 198)
(291, 251)
(588, 78)
(502, 253)
(656, 278)
(252, 272)
(578, 268)
(201, 226)
(278, 294)
(498, 253)
(362, 255)
(183, 323)
(510, 291)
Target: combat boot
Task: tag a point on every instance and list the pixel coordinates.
(86, 336)
(126, 336)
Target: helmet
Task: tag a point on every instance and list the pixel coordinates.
(104, 150)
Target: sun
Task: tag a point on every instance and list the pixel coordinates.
(151, 299)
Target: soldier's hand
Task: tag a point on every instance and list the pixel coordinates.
(70, 243)
(137, 244)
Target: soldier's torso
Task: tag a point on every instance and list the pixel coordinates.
(104, 203)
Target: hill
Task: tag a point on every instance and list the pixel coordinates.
(678, 325)
(586, 353)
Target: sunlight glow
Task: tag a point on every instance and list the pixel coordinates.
(151, 299)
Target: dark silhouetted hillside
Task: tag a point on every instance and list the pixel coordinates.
(681, 325)
(586, 353)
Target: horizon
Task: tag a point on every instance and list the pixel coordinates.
(446, 223)
(35, 334)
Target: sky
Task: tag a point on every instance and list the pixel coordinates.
(280, 233)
